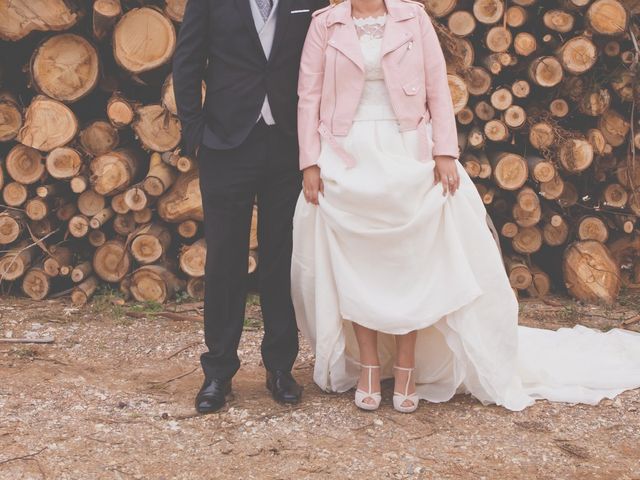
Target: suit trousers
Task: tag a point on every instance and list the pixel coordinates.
(264, 166)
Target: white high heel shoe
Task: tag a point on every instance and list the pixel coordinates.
(400, 398)
(361, 395)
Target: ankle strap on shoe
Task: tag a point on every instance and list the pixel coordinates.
(370, 369)
(403, 369)
(410, 370)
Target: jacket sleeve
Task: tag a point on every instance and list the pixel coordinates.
(189, 65)
(439, 103)
(310, 93)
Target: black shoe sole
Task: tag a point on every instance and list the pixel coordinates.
(208, 412)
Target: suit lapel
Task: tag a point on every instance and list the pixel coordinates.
(247, 17)
(283, 15)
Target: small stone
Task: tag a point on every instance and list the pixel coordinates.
(378, 422)
(173, 426)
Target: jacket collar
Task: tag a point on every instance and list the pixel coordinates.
(346, 40)
(398, 10)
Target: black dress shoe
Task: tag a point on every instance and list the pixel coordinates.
(212, 395)
(283, 387)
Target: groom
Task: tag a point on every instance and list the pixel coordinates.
(248, 52)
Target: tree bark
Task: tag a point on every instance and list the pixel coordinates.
(105, 16)
(183, 201)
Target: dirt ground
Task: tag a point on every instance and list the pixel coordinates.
(112, 398)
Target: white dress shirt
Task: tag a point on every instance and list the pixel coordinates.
(266, 32)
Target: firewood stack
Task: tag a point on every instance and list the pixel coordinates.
(95, 189)
(544, 96)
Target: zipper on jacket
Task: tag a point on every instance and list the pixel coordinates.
(406, 51)
(335, 89)
(386, 80)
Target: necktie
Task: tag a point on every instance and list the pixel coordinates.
(265, 7)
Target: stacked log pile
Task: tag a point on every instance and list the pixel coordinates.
(544, 94)
(95, 189)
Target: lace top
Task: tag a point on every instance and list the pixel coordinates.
(375, 103)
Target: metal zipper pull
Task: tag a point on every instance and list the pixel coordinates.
(409, 47)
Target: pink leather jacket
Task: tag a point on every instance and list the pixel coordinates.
(332, 79)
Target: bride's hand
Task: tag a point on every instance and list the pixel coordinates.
(447, 174)
(312, 184)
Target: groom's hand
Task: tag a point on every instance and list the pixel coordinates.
(312, 184)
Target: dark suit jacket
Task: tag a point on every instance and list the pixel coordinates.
(218, 42)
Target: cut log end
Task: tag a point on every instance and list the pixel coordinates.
(98, 138)
(591, 274)
(157, 129)
(36, 284)
(65, 67)
(111, 261)
(192, 259)
(143, 40)
(21, 17)
(593, 228)
(607, 17)
(10, 120)
(510, 171)
(120, 111)
(48, 124)
(25, 165)
(546, 72)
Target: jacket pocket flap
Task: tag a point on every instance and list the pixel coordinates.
(412, 88)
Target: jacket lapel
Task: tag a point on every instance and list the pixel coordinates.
(283, 16)
(395, 33)
(345, 39)
(247, 17)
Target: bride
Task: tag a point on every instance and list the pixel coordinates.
(395, 271)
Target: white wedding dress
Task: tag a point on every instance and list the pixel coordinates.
(387, 250)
